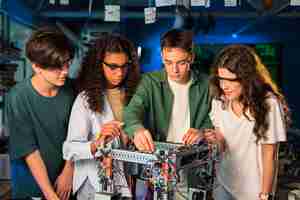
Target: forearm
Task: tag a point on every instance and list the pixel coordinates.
(268, 162)
(39, 172)
(133, 121)
(136, 110)
(69, 165)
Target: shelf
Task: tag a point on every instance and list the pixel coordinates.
(5, 169)
(4, 57)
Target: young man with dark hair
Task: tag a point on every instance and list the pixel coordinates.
(171, 104)
(37, 111)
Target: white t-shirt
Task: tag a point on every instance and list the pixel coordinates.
(180, 117)
(240, 170)
(179, 125)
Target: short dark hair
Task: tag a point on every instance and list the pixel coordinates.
(49, 48)
(177, 38)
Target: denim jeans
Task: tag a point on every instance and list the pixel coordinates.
(141, 190)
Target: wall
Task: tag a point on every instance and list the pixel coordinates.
(284, 31)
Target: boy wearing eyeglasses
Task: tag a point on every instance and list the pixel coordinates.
(37, 111)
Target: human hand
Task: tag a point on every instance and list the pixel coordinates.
(143, 140)
(108, 131)
(64, 182)
(214, 136)
(106, 164)
(192, 136)
(111, 129)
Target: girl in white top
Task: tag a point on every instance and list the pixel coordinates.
(251, 115)
(108, 78)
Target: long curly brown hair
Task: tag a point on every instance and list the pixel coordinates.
(256, 82)
(91, 79)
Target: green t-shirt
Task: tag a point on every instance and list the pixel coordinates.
(40, 123)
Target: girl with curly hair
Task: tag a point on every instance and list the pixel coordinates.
(252, 115)
(107, 80)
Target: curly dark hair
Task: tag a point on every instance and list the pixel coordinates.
(91, 80)
(256, 82)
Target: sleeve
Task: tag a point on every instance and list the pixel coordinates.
(77, 144)
(207, 121)
(276, 132)
(214, 113)
(134, 112)
(22, 140)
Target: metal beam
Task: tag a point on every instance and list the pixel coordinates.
(71, 35)
(18, 19)
(264, 16)
(133, 14)
(40, 5)
(90, 7)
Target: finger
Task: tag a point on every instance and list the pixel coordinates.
(138, 143)
(147, 146)
(117, 130)
(208, 133)
(113, 127)
(191, 139)
(59, 193)
(68, 195)
(210, 137)
(118, 125)
(59, 190)
(63, 196)
(186, 135)
(194, 135)
(114, 124)
(111, 131)
(108, 139)
(143, 143)
(149, 140)
(195, 138)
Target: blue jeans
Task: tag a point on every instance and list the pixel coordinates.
(220, 193)
(141, 190)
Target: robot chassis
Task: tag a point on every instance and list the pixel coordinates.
(162, 168)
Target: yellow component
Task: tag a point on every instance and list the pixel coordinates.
(98, 135)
